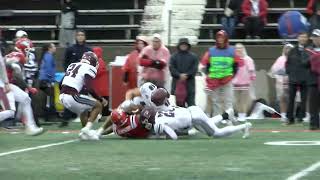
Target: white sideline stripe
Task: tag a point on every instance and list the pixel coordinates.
(37, 147)
(305, 172)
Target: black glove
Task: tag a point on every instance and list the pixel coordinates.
(156, 64)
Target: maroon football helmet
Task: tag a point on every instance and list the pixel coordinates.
(90, 58)
(159, 96)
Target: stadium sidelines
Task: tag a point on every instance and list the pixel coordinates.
(38, 147)
(305, 172)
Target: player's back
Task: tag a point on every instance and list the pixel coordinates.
(75, 75)
(177, 118)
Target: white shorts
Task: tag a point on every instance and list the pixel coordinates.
(16, 95)
(77, 103)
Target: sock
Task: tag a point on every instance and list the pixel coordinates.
(242, 115)
(89, 125)
(6, 115)
(283, 115)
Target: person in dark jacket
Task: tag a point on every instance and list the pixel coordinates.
(314, 88)
(231, 14)
(183, 66)
(74, 53)
(299, 73)
(68, 23)
(314, 16)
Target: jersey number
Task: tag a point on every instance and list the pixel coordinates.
(73, 70)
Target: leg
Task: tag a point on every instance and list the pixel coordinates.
(106, 128)
(247, 27)
(202, 122)
(227, 94)
(216, 101)
(84, 118)
(292, 97)
(25, 106)
(314, 107)
(303, 104)
(191, 93)
(9, 107)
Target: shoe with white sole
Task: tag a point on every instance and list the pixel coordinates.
(89, 134)
(246, 131)
(34, 131)
(192, 132)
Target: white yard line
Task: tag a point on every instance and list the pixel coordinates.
(37, 147)
(305, 172)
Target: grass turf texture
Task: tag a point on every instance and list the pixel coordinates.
(190, 158)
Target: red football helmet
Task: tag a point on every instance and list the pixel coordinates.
(90, 58)
(118, 117)
(24, 45)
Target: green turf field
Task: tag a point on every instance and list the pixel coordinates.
(190, 158)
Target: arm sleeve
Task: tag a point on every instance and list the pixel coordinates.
(245, 7)
(310, 7)
(264, 10)
(3, 71)
(88, 81)
(92, 71)
(169, 132)
(172, 67)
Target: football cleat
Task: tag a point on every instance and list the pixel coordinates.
(34, 131)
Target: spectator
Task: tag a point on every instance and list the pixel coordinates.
(47, 74)
(313, 6)
(68, 23)
(130, 68)
(242, 82)
(231, 14)
(314, 88)
(220, 64)
(315, 20)
(101, 81)
(255, 17)
(298, 70)
(3, 43)
(74, 53)
(278, 71)
(154, 59)
(183, 68)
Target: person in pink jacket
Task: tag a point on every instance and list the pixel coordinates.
(278, 71)
(154, 60)
(242, 82)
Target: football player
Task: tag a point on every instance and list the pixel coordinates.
(12, 93)
(137, 99)
(179, 119)
(130, 126)
(76, 85)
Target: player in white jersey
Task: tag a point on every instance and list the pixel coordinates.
(180, 119)
(141, 98)
(76, 86)
(10, 94)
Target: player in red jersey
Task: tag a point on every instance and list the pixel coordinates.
(130, 125)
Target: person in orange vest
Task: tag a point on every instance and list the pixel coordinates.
(130, 67)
